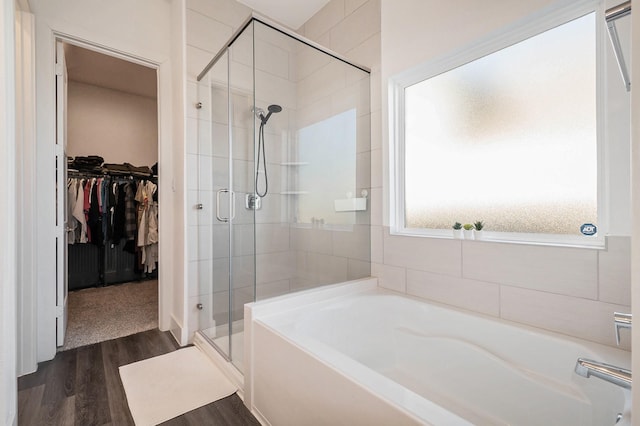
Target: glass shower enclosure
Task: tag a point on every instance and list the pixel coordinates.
(284, 155)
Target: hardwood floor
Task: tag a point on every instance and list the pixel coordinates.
(82, 387)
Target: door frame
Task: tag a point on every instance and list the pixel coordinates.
(45, 338)
(59, 41)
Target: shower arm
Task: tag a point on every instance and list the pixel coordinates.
(610, 16)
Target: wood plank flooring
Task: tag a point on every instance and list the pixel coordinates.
(82, 387)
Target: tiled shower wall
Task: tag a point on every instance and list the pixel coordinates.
(289, 257)
(569, 290)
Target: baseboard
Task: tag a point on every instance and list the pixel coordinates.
(258, 415)
(177, 331)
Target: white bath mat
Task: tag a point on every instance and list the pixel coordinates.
(161, 388)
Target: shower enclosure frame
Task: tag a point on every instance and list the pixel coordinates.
(225, 51)
(282, 29)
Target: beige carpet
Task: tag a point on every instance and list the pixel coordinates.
(161, 388)
(105, 313)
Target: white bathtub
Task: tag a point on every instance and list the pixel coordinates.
(354, 354)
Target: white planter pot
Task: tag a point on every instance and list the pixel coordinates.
(457, 234)
(478, 235)
(468, 234)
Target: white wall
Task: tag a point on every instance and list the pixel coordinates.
(118, 126)
(175, 302)
(140, 29)
(8, 270)
(25, 186)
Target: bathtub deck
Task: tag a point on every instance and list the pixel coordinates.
(82, 386)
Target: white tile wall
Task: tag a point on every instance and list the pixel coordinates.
(390, 277)
(308, 61)
(272, 289)
(197, 59)
(321, 83)
(442, 256)
(354, 243)
(356, 28)
(272, 238)
(358, 269)
(351, 5)
(363, 169)
(275, 266)
(327, 18)
(206, 33)
(311, 240)
(377, 238)
(614, 271)
(587, 319)
(376, 168)
(562, 270)
(376, 130)
(468, 294)
(230, 12)
(272, 59)
(367, 53)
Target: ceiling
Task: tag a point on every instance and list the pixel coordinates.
(290, 13)
(90, 67)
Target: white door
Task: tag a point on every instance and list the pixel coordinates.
(61, 194)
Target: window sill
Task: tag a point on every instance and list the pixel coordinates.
(548, 240)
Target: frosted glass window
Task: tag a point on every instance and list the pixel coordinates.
(509, 139)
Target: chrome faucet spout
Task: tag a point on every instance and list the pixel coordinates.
(610, 373)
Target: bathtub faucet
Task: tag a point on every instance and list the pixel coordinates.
(610, 373)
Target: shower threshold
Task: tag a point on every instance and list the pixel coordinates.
(214, 348)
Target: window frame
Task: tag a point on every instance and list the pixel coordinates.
(517, 32)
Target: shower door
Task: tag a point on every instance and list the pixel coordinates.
(226, 233)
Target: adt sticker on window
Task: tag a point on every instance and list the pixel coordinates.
(589, 229)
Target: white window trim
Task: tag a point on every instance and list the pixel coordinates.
(528, 27)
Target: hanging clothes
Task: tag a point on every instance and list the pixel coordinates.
(148, 225)
(72, 222)
(104, 210)
(77, 219)
(95, 218)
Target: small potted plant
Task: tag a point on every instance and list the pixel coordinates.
(468, 231)
(478, 233)
(457, 230)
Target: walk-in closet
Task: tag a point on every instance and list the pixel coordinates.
(112, 199)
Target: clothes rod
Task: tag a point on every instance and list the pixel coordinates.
(616, 12)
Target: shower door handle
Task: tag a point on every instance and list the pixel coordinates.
(232, 200)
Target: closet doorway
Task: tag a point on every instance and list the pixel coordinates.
(107, 154)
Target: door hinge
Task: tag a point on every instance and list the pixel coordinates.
(59, 311)
(59, 69)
